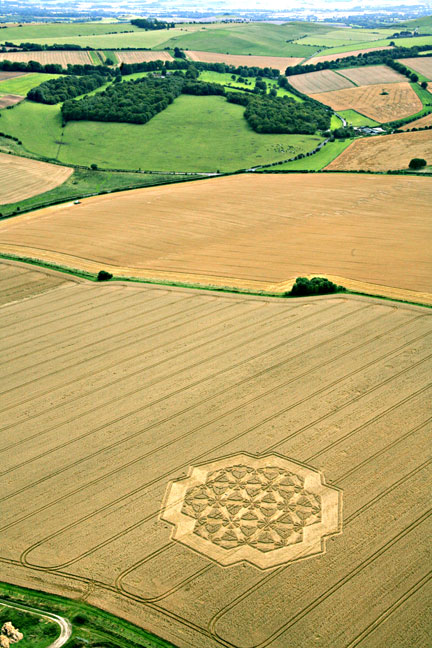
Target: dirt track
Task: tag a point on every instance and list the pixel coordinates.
(109, 392)
(246, 231)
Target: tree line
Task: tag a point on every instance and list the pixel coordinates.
(151, 23)
(182, 64)
(55, 68)
(65, 87)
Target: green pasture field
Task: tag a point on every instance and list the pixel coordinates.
(225, 79)
(22, 84)
(252, 38)
(91, 627)
(109, 54)
(337, 37)
(424, 25)
(319, 160)
(355, 118)
(403, 42)
(335, 122)
(28, 33)
(202, 134)
(84, 182)
(38, 632)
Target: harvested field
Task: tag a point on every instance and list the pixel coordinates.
(9, 100)
(140, 56)
(372, 74)
(386, 152)
(276, 62)
(52, 56)
(421, 65)
(22, 178)
(340, 55)
(244, 231)
(112, 394)
(400, 101)
(323, 81)
(5, 76)
(418, 123)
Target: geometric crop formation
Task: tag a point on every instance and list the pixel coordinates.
(263, 510)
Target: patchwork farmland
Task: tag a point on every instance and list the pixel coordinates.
(111, 393)
(243, 231)
(383, 102)
(340, 55)
(22, 178)
(383, 153)
(319, 82)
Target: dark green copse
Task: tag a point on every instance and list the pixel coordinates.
(304, 287)
(104, 275)
(65, 87)
(417, 163)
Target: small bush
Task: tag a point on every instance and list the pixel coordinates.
(104, 275)
(80, 619)
(417, 163)
(315, 286)
(94, 167)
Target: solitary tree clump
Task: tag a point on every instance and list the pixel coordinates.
(104, 275)
(94, 167)
(315, 286)
(417, 163)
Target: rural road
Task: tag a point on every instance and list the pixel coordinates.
(65, 625)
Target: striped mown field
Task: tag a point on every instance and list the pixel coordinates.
(112, 394)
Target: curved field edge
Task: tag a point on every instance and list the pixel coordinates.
(98, 624)
(39, 627)
(278, 291)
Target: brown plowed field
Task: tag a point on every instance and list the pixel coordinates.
(110, 392)
(334, 57)
(418, 123)
(60, 57)
(5, 76)
(372, 74)
(246, 231)
(139, 57)
(22, 178)
(276, 62)
(383, 153)
(322, 81)
(400, 101)
(422, 65)
(9, 100)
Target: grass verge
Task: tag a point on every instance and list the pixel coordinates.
(355, 118)
(84, 182)
(318, 160)
(91, 626)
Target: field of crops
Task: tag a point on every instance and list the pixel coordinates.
(317, 82)
(418, 123)
(333, 57)
(278, 62)
(7, 100)
(382, 102)
(422, 65)
(386, 152)
(22, 178)
(53, 56)
(244, 231)
(111, 395)
(372, 74)
(213, 135)
(139, 56)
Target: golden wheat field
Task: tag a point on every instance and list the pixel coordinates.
(420, 64)
(125, 56)
(372, 74)
(222, 470)
(22, 178)
(418, 123)
(49, 56)
(386, 152)
(319, 82)
(246, 231)
(384, 102)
